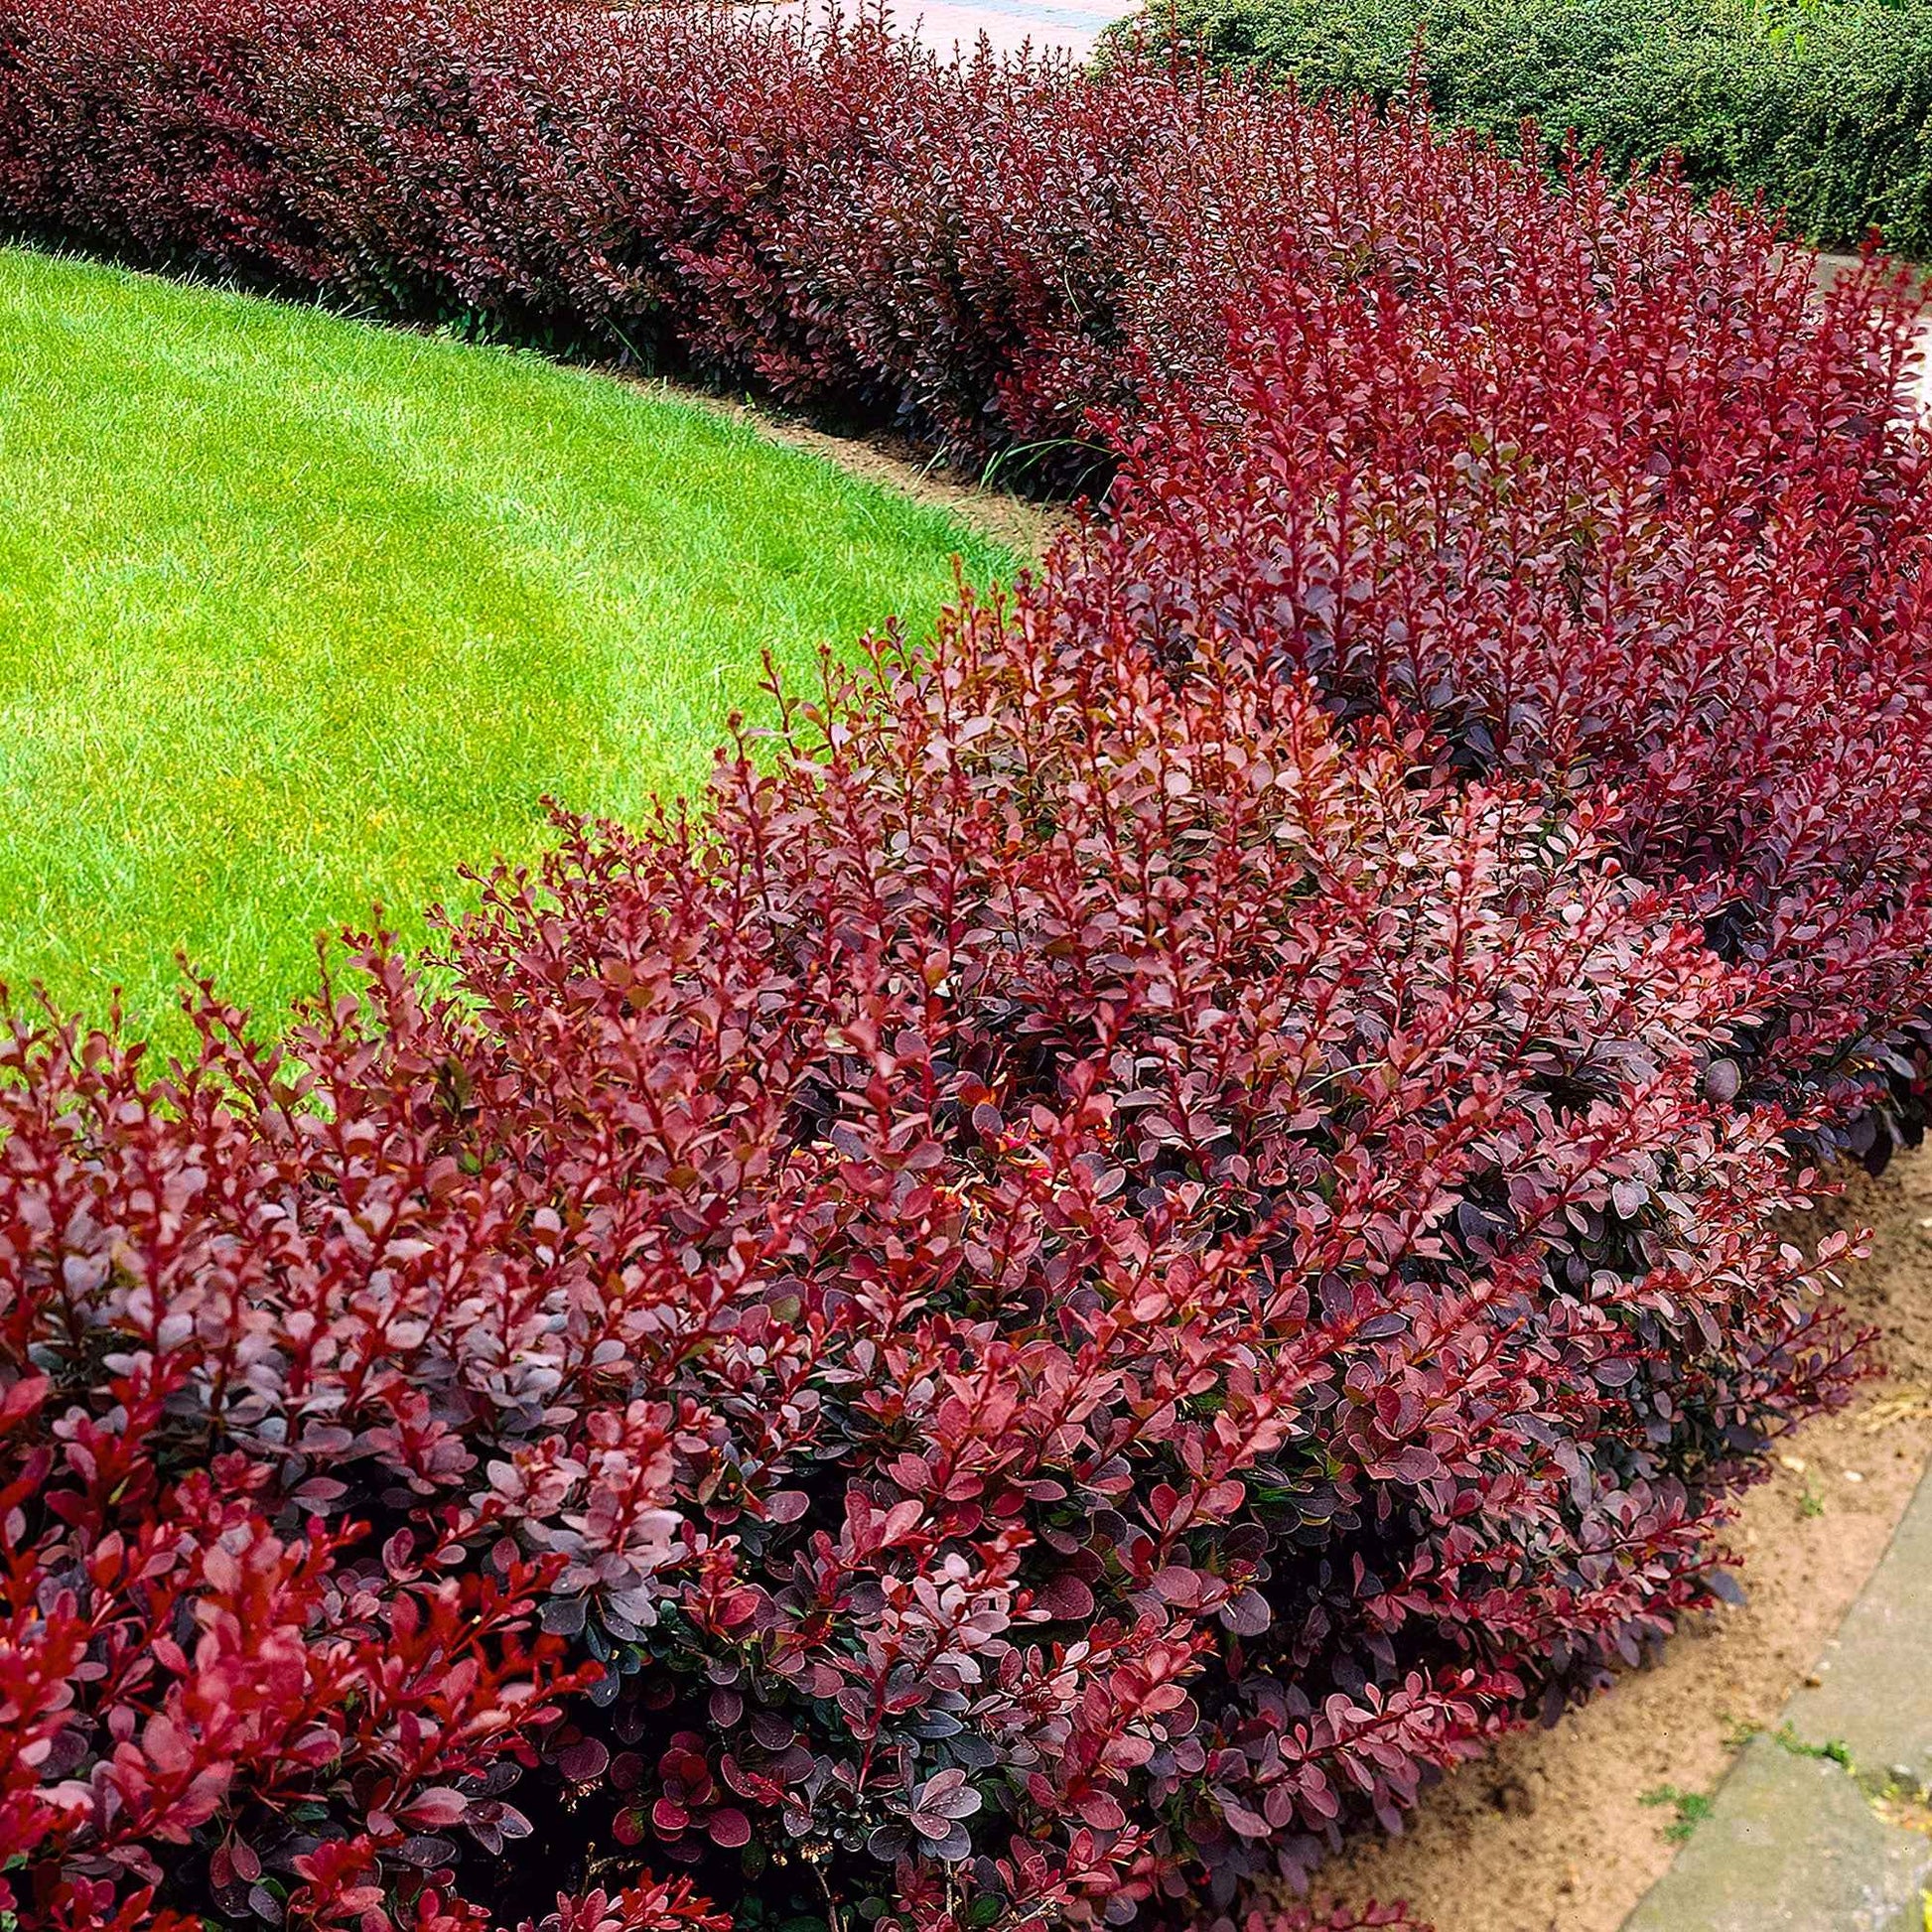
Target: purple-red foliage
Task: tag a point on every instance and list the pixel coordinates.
(1586, 480)
(1139, 1239)
(1627, 513)
(837, 217)
(1070, 1292)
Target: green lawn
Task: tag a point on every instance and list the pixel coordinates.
(297, 614)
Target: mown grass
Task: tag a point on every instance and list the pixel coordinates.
(297, 615)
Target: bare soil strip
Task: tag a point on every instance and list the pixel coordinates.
(1024, 526)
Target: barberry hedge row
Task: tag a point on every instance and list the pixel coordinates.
(1644, 521)
(1066, 1295)
(1160, 1219)
(971, 252)
(1634, 512)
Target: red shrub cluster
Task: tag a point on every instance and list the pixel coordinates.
(837, 218)
(1585, 479)
(985, 252)
(1628, 514)
(1139, 1238)
(1063, 1296)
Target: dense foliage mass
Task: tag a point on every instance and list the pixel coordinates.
(1163, 1216)
(1665, 536)
(1059, 1300)
(970, 251)
(1825, 107)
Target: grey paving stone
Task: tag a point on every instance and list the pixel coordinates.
(1877, 1691)
(1794, 1842)
(1793, 1846)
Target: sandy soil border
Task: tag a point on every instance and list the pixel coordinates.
(1024, 526)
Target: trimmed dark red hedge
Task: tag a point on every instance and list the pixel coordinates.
(1159, 1222)
(971, 252)
(1591, 481)
(1067, 1294)
(1626, 513)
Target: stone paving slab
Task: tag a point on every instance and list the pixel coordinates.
(1873, 1692)
(1822, 1825)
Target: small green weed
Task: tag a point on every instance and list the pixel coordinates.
(1692, 1809)
(1839, 1752)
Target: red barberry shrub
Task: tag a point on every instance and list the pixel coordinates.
(1587, 480)
(1077, 1285)
(835, 217)
(984, 252)
(1142, 1235)
(1628, 512)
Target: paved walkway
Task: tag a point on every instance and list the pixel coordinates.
(1010, 24)
(1824, 1823)
(1065, 26)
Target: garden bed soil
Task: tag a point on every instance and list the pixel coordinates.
(1564, 1830)
(1025, 526)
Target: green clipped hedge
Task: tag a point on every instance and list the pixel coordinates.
(1826, 106)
